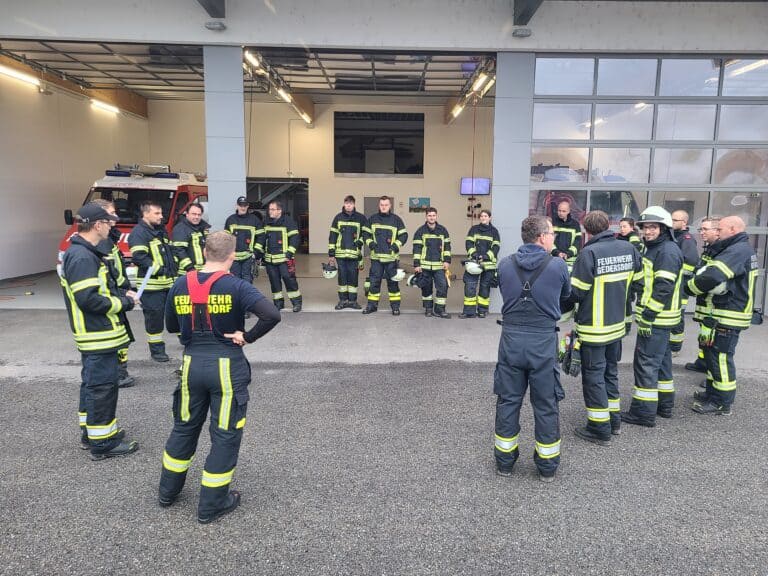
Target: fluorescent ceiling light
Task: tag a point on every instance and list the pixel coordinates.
(284, 95)
(19, 75)
(104, 106)
(479, 81)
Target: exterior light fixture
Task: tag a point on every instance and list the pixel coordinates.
(216, 25)
(457, 109)
(283, 93)
(19, 75)
(488, 86)
(479, 81)
(104, 106)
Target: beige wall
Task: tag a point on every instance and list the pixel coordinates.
(52, 148)
(177, 135)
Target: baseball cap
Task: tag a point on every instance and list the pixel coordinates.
(242, 200)
(92, 212)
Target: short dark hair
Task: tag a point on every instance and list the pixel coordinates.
(196, 205)
(486, 211)
(277, 203)
(431, 209)
(349, 198)
(533, 227)
(595, 222)
(219, 245)
(145, 206)
(385, 198)
(628, 220)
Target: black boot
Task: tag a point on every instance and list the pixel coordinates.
(340, 305)
(157, 351)
(439, 312)
(296, 305)
(353, 304)
(630, 418)
(370, 309)
(124, 380)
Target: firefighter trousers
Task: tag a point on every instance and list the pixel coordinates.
(440, 297)
(218, 383)
(98, 400)
(153, 307)
(383, 271)
(243, 269)
(721, 369)
(477, 292)
(278, 275)
(654, 389)
(677, 334)
(600, 386)
(347, 278)
(527, 358)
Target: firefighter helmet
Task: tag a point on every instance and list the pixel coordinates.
(472, 267)
(329, 271)
(399, 275)
(418, 280)
(655, 215)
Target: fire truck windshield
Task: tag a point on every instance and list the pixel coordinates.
(128, 201)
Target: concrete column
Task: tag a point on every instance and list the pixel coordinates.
(512, 128)
(224, 130)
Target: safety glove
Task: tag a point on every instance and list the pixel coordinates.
(707, 332)
(644, 326)
(575, 368)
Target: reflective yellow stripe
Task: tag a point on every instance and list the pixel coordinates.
(175, 464)
(580, 284)
(83, 284)
(184, 408)
(614, 404)
(722, 266)
(724, 383)
(507, 445)
(666, 386)
(598, 414)
(212, 480)
(645, 394)
(102, 432)
(226, 393)
(547, 451)
(666, 274)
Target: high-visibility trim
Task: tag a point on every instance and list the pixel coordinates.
(547, 451)
(440, 301)
(482, 301)
(82, 418)
(352, 289)
(427, 298)
(394, 296)
(506, 445)
(580, 284)
(102, 432)
(175, 464)
(614, 404)
(470, 301)
(677, 337)
(654, 305)
(277, 295)
(294, 294)
(139, 248)
(83, 284)
(180, 243)
(598, 414)
(183, 263)
(184, 397)
(645, 394)
(723, 267)
(725, 383)
(666, 274)
(341, 289)
(155, 338)
(374, 297)
(211, 480)
(240, 424)
(227, 394)
(688, 268)
(666, 386)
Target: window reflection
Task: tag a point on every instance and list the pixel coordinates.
(695, 203)
(623, 121)
(544, 202)
(685, 122)
(574, 76)
(561, 121)
(618, 204)
(741, 167)
(559, 164)
(746, 78)
(743, 123)
(625, 77)
(682, 165)
(699, 77)
(620, 164)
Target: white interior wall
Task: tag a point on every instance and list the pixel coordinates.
(52, 148)
(448, 152)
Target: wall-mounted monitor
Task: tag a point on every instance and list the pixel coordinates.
(475, 186)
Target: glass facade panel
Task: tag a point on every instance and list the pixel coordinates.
(559, 164)
(698, 77)
(567, 76)
(620, 77)
(561, 121)
(623, 121)
(685, 122)
(682, 165)
(744, 123)
(695, 203)
(744, 167)
(620, 164)
(752, 207)
(618, 204)
(746, 78)
(544, 202)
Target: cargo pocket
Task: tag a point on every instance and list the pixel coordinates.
(176, 404)
(240, 408)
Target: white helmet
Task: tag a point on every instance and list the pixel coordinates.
(399, 275)
(472, 267)
(655, 215)
(329, 271)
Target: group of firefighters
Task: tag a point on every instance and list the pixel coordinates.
(199, 284)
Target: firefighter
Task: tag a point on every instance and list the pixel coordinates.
(345, 245)
(280, 242)
(656, 313)
(567, 234)
(627, 232)
(532, 284)
(384, 236)
(729, 279)
(482, 245)
(207, 308)
(150, 247)
(189, 239)
(116, 264)
(247, 229)
(709, 233)
(600, 284)
(690, 250)
(432, 257)
(95, 307)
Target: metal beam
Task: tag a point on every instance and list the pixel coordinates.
(215, 8)
(524, 11)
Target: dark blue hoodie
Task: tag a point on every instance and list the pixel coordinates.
(552, 286)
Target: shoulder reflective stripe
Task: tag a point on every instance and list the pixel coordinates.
(666, 274)
(184, 408)
(666, 386)
(506, 444)
(581, 285)
(212, 480)
(645, 394)
(598, 414)
(139, 248)
(175, 464)
(292, 233)
(83, 284)
(226, 393)
(180, 243)
(548, 450)
(102, 432)
(722, 266)
(614, 404)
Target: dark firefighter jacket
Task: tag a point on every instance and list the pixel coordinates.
(150, 247)
(567, 237)
(484, 240)
(690, 250)
(247, 229)
(431, 247)
(661, 280)
(346, 237)
(281, 239)
(385, 236)
(188, 243)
